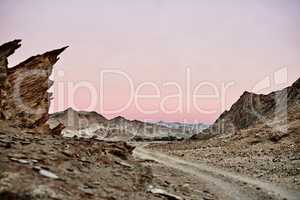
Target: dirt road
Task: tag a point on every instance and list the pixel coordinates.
(225, 185)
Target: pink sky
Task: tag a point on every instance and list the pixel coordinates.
(154, 42)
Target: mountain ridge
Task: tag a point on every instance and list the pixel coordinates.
(251, 109)
(93, 124)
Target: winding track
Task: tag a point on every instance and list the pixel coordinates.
(226, 185)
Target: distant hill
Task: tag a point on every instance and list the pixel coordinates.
(93, 124)
(185, 127)
(73, 119)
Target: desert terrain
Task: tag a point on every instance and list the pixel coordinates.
(44, 156)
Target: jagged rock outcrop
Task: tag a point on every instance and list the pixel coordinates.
(252, 108)
(23, 88)
(5, 50)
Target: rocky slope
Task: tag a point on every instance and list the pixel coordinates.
(92, 124)
(266, 149)
(258, 152)
(47, 167)
(252, 109)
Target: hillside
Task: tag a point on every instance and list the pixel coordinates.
(252, 109)
(264, 146)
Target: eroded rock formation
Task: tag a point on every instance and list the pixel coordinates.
(5, 50)
(23, 88)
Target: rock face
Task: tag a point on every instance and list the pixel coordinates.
(252, 109)
(23, 88)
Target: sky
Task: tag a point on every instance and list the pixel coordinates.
(154, 60)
